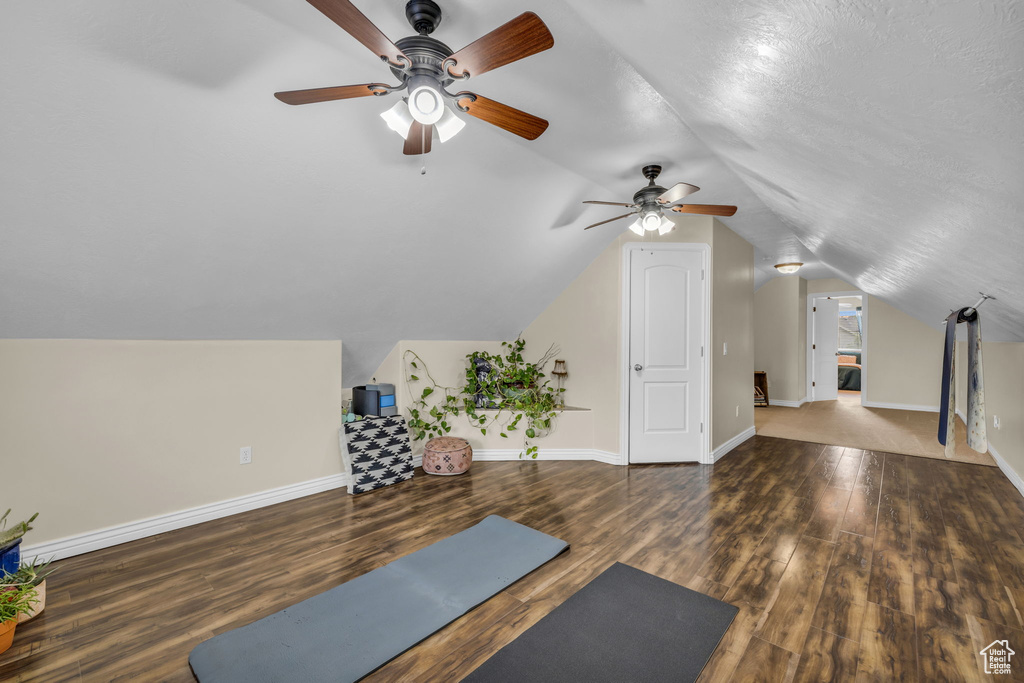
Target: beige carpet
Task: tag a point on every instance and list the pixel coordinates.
(844, 422)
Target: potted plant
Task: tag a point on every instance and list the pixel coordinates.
(10, 542)
(15, 600)
(516, 389)
(33, 574)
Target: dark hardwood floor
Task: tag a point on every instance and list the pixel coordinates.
(845, 565)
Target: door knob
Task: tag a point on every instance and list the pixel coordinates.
(638, 367)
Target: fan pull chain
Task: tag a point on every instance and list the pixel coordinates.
(423, 146)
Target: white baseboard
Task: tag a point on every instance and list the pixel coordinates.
(732, 443)
(900, 406)
(1010, 473)
(787, 404)
(122, 533)
(503, 454)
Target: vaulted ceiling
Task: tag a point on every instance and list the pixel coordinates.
(154, 188)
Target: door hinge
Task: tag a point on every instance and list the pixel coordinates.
(701, 273)
(813, 346)
(701, 427)
(813, 384)
(814, 310)
(702, 352)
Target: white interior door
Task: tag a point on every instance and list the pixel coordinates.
(825, 346)
(666, 363)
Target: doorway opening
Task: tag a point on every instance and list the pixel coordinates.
(850, 360)
(837, 347)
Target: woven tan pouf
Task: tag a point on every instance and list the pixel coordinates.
(447, 455)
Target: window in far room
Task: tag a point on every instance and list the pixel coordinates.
(850, 328)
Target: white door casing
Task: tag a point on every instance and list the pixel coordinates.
(824, 347)
(666, 378)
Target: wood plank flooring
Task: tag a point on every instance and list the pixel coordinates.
(846, 565)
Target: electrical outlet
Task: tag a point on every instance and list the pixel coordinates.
(725, 348)
(245, 455)
(995, 421)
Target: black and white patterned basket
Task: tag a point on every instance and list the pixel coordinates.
(378, 453)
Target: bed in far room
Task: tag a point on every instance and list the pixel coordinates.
(849, 369)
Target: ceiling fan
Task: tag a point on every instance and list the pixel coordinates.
(426, 67)
(650, 202)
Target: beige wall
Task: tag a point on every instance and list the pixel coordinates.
(105, 433)
(585, 320)
(1003, 367)
(780, 341)
(732, 322)
(905, 357)
(801, 355)
(447, 363)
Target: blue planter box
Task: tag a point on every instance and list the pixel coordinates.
(10, 558)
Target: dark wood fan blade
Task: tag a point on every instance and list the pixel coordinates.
(591, 201)
(677, 192)
(344, 14)
(341, 92)
(523, 36)
(503, 116)
(706, 209)
(418, 139)
(609, 220)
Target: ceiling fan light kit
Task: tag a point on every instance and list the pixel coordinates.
(426, 67)
(399, 118)
(650, 202)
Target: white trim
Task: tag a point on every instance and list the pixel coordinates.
(705, 456)
(787, 404)
(809, 352)
(505, 454)
(900, 406)
(1010, 473)
(732, 443)
(132, 531)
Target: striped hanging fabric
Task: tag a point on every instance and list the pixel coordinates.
(977, 438)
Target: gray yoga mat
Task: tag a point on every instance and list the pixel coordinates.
(347, 632)
(625, 625)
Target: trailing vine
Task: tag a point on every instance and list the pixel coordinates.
(501, 391)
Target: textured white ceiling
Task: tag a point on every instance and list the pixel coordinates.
(154, 188)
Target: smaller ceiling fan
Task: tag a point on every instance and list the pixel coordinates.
(650, 202)
(426, 66)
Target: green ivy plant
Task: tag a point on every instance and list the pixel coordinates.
(516, 394)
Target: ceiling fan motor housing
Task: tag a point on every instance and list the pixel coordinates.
(426, 54)
(647, 198)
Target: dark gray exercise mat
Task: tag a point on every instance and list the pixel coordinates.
(625, 625)
(347, 632)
